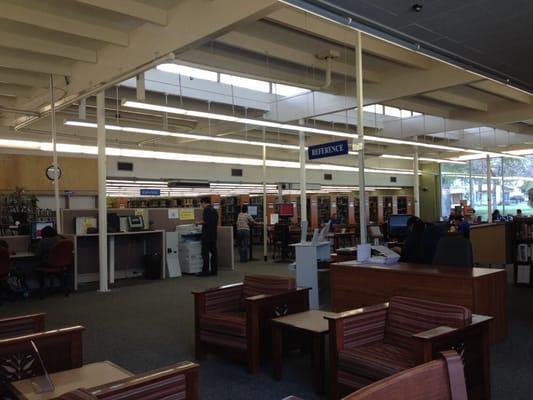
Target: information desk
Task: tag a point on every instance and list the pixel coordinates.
(482, 290)
(88, 376)
(126, 251)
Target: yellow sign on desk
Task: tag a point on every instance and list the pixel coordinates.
(187, 214)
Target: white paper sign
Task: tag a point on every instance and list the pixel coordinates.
(173, 213)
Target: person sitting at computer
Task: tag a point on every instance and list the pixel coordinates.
(244, 220)
(412, 246)
(49, 239)
(496, 216)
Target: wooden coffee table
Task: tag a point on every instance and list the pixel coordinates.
(88, 376)
(311, 322)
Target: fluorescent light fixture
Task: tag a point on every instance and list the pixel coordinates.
(437, 160)
(521, 152)
(468, 157)
(156, 132)
(296, 128)
(189, 71)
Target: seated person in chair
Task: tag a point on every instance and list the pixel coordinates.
(48, 241)
(412, 247)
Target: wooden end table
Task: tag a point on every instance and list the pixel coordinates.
(311, 322)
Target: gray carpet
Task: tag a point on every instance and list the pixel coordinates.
(143, 325)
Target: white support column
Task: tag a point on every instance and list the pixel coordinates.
(54, 156)
(102, 203)
(471, 184)
(303, 177)
(265, 203)
(416, 186)
(360, 137)
(489, 191)
(503, 187)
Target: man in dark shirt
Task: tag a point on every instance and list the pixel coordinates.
(412, 246)
(209, 238)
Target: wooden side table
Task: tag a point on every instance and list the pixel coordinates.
(311, 322)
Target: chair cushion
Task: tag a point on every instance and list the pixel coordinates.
(254, 285)
(50, 270)
(374, 361)
(407, 316)
(230, 323)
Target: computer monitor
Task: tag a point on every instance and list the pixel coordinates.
(135, 222)
(397, 225)
(252, 210)
(37, 228)
(286, 210)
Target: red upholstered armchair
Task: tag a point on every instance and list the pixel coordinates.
(372, 343)
(235, 319)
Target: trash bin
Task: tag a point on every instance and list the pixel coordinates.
(152, 266)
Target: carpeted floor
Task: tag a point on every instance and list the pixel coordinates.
(145, 325)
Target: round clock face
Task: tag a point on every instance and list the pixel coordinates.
(52, 174)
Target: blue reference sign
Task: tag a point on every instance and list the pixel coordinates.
(330, 149)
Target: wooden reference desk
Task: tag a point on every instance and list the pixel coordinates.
(491, 243)
(88, 376)
(482, 290)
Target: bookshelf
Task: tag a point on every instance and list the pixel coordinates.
(342, 210)
(324, 210)
(523, 251)
(229, 208)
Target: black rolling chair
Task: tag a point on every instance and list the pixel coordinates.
(454, 250)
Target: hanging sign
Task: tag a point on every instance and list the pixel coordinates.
(330, 149)
(150, 192)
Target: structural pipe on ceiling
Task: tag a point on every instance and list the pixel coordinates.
(303, 177)
(265, 203)
(65, 102)
(360, 145)
(416, 186)
(327, 83)
(102, 201)
(489, 191)
(503, 187)
(54, 157)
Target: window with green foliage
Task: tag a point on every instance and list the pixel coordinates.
(511, 186)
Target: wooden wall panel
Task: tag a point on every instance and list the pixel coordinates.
(79, 174)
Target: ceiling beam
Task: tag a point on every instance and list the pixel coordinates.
(264, 46)
(456, 99)
(135, 9)
(24, 78)
(191, 23)
(44, 46)
(317, 26)
(420, 105)
(58, 23)
(8, 89)
(13, 59)
(500, 113)
(501, 90)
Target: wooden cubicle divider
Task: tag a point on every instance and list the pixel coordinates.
(492, 243)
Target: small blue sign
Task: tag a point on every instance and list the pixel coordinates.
(330, 149)
(150, 192)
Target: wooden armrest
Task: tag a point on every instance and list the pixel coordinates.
(123, 385)
(261, 297)
(358, 311)
(38, 335)
(216, 289)
(21, 325)
(435, 333)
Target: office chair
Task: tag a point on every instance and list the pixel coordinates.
(59, 261)
(454, 250)
(374, 231)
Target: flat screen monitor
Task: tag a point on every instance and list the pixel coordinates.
(286, 210)
(252, 210)
(398, 225)
(135, 221)
(37, 228)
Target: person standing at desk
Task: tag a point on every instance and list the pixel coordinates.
(243, 232)
(209, 238)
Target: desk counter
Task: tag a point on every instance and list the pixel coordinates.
(482, 290)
